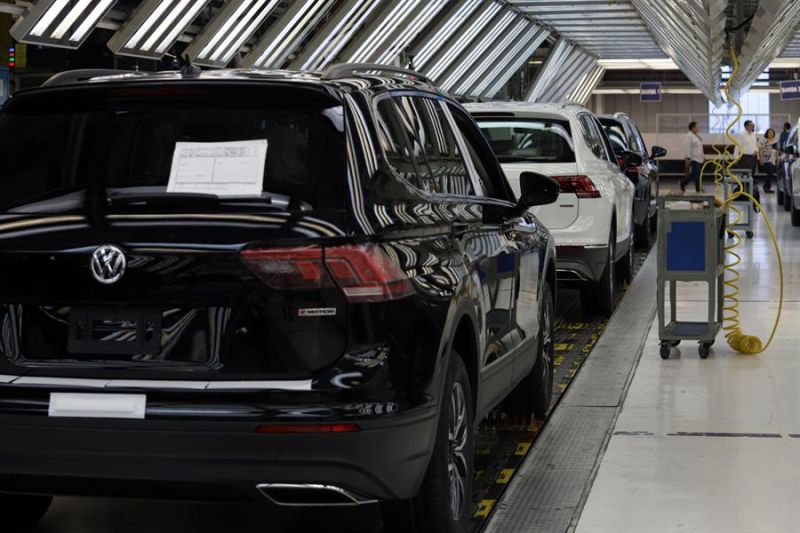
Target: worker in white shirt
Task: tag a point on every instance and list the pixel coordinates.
(694, 157)
(749, 143)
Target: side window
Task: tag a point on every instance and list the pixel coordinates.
(433, 160)
(394, 140)
(593, 137)
(608, 148)
(637, 140)
(481, 156)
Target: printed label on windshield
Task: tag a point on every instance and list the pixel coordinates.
(224, 169)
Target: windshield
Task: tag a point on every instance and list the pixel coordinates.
(271, 146)
(536, 140)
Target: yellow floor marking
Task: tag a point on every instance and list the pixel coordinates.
(563, 347)
(484, 508)
(522, 448)
(505, 476)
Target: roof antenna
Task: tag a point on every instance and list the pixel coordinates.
(187, 69)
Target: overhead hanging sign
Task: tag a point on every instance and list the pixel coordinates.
(650, 92)
(790, 90)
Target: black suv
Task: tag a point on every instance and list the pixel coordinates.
(331, 338)
(626, 139)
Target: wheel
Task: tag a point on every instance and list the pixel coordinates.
(675, 343)
(665, 350)
(795, 213)
(598, 296)
(21, 513)
(787, 199)
(533, 394)
(779, 197)
(444, 502)
(705, 350)
(749, 234)
(541, 376)
(625, 266)
(643, 233)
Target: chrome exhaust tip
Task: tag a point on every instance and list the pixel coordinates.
(310, 495)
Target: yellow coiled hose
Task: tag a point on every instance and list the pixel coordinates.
(737, 339)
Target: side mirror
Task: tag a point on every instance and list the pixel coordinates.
(537, 189)
(632, 160)
(658, 152)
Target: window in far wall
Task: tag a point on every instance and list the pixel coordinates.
(755, 105)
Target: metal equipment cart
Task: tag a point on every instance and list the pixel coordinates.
(691, 247)
(744, 205)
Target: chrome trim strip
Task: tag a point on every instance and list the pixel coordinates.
(40, 381)
(311, 487)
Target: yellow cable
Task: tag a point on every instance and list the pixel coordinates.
(737, 339)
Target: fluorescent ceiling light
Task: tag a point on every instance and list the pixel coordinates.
(154, 26)
(228, 31)
(53, 22)
(445, 31)
(287, 33)
(638, 64)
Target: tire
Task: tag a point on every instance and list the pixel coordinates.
(643, 233)
(22, 513)
(795, 213)
(625, 266)
(779, 197)
(540, 380)
(434, 509)
(598, 296)
(787, 198)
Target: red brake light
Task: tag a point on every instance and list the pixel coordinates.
(290, 268)
(363, 273)
(289, 429)
(632, 172)
(580, 186)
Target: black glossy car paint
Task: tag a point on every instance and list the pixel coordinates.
(476, 263)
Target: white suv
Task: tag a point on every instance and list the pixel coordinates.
(591, 222)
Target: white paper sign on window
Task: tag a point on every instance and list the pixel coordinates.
(224, 169)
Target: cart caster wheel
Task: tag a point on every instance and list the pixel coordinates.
(665, 350)
(674, 343)
(705, 350)
(749, 234)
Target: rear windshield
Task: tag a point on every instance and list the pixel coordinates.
(275, 146)
(535, 140)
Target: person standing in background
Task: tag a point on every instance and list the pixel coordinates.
(768, 157)
(749, 143)
(694, 157)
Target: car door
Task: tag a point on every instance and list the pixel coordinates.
(616, 182)
(526, 240)
(436, 165)
(649, 169)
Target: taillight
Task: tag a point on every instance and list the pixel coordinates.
(289, 268)
(580, 186)
(632, 172)
(364, 273)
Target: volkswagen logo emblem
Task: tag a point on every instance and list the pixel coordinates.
(108, 264)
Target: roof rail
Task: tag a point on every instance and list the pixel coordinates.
(343, 70)
(72, 76)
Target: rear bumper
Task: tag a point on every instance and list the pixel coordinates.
(217, 461)
(581, 263)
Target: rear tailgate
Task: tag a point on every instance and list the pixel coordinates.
(565, 211)
(106, 272)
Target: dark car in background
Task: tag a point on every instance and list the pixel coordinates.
(626, 138)
(253, 285)
(787, 163)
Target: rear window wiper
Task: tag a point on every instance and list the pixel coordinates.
(170, 199)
